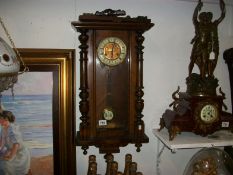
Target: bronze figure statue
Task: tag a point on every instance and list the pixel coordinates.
(205, 41)
(192, 108)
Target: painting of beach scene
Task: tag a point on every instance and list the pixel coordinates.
(32, 106)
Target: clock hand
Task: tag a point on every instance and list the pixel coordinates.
(114, 45)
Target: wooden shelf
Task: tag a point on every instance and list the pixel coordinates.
(191, 140)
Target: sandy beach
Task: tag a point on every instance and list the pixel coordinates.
(42, 165)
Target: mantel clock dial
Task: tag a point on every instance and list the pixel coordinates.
(209, 113)
(111, 80)
(112, 51)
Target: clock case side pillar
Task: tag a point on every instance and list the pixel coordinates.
(139, 124)
(84, 94)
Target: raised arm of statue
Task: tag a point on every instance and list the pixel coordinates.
(223, 10)
(195, 13)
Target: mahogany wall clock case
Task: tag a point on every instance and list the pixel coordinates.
(111, 80)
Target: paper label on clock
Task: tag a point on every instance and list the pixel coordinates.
(102, 122)
(225, 124)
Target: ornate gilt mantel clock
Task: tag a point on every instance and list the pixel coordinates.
(111, 80)
(199, 109)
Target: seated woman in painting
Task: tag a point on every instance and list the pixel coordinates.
(14, 157)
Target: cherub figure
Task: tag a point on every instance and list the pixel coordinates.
(205, 41)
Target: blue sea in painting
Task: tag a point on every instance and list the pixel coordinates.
(34, 115)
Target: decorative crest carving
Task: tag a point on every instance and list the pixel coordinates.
(110, 12)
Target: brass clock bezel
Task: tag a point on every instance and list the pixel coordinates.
(110, 110)
(118, 44)
(205, 127)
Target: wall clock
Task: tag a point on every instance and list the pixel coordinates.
(111, 80)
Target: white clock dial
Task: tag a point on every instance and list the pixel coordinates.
(209, 113)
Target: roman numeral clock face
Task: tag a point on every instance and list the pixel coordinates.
(111, 51)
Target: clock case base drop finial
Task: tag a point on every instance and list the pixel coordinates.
(111, 80)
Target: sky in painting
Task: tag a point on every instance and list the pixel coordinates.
(33, 83)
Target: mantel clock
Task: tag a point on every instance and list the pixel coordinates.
(111, 80)
(200, 109)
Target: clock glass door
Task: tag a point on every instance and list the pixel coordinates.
(112, 82)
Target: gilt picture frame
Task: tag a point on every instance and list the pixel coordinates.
(61, 62)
